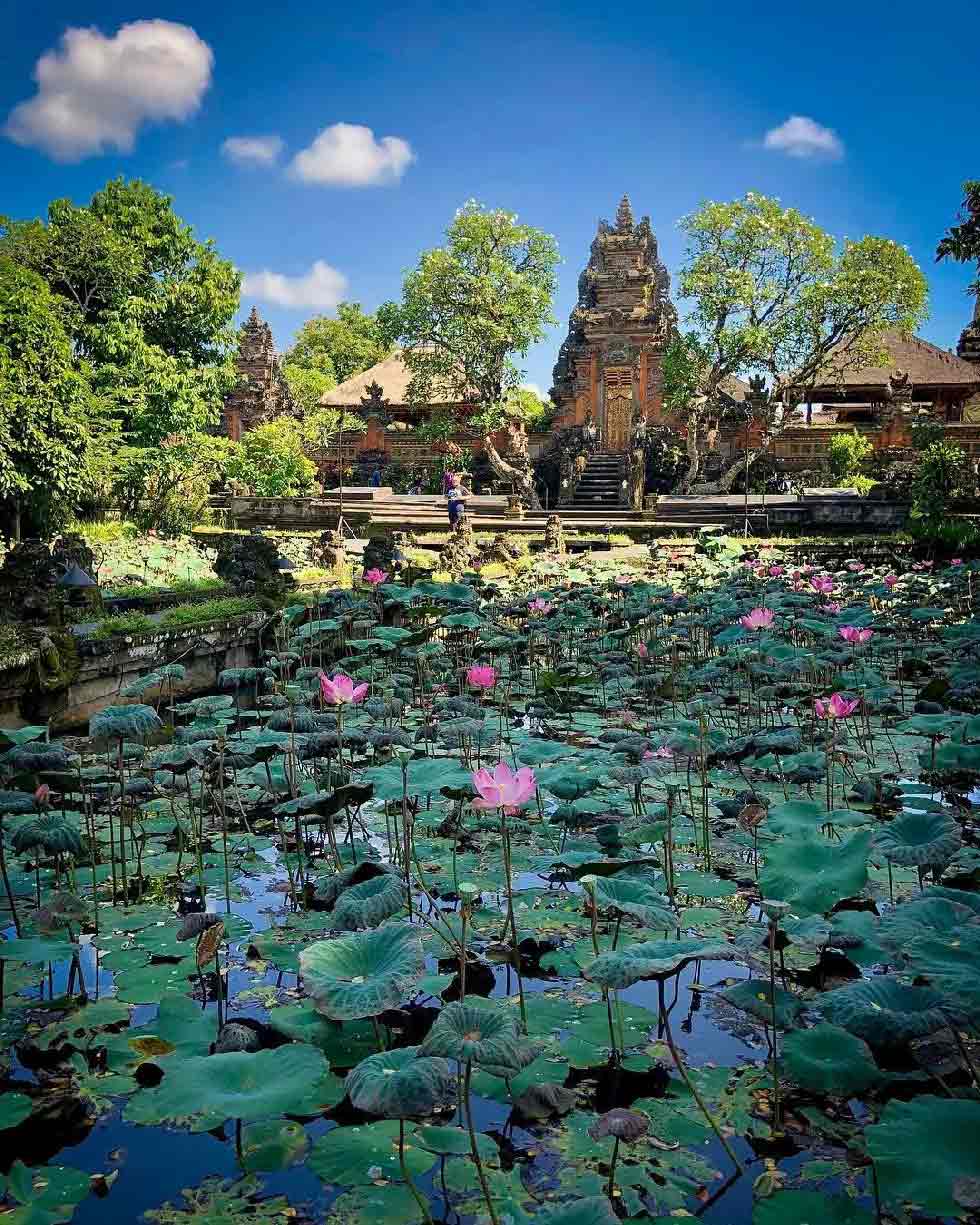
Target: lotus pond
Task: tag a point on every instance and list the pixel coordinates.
(592, 898)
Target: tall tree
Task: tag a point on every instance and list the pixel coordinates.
(149, 307)
(471, 306)
(50, 420)
(342, 347)
(962, 242)
(773, 297)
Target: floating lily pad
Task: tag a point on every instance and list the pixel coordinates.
(828, 1059)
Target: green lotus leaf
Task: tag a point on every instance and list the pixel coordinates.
(813, 873)
(219, 1201)
(569, 782)
(14, 1109)
(363, 974)
(203, 1091)
(35, 949)
(455, 1142)
(656, 959)
(54, 833)
(809, 1208)
(469, 1033)
(919, 839)
(590, 1210)
(15, 802)
(124, 723)
(884, 1011)
(828, 1059)
(273, 1145)
(44, 1195)
(921, 916)
(37, 758)
(351, 1156)
(924, 1151)
(399, 1084)
(754, 996)
(635, 898)
(370, 903)
(426, 775)
(949, 963)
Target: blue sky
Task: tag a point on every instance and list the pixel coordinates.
(356, 133)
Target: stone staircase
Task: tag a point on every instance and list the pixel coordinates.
(599, 485)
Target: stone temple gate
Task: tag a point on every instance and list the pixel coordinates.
(610, 366)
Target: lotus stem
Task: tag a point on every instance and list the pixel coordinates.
(692, 1088)
(6, 884)
(474, 1149)
(419, 1198)
(611, 1185)
(777, 1126)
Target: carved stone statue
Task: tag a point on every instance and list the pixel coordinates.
(516, 469)
(554, 536)
(329, 551)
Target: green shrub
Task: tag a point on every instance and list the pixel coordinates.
(847, 456)
(209, 610)
(942, 476)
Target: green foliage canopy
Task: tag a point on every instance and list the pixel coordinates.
(337, 349)
(472, 304)
(49, 416)
(772, 295)
(270, 460)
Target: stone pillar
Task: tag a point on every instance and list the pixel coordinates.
(594, 388)
(642, 398)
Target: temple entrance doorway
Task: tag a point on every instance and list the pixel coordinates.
(617, 414)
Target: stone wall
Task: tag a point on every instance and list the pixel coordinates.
(108, 665)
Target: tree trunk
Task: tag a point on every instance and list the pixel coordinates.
(731, 473)
(521, 477)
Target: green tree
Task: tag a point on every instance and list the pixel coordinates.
(470, 306)
(962, 242)
(166, 488)
(341, 347)
(308, 385)
(321, 428)
(51, 423)
(772, 296)
(270, 460)
(149, 307)
(848, 455)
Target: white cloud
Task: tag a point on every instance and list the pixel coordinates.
(803, 137)
(252, 150)
(535, 387)
(347, 155)
(94, 92)
(322, 287)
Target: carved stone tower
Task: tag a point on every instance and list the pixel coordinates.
(969, 345)
(262, 392)
(610, 365)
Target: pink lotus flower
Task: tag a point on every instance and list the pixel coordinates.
(822, 583)
(835, 707)
(503, 787)
(664, 751)
(855, 636)
(757, 619)
(341, 690)
(643, 651)
(42, 796)
(481, 677)
(922, 565)
(538, 605)
(622, 580)
(831, 607)
(776, 571)
(956, 561)
(890, 580)
(855, 566)
(375, 576)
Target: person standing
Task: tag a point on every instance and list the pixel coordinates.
(456, 499)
